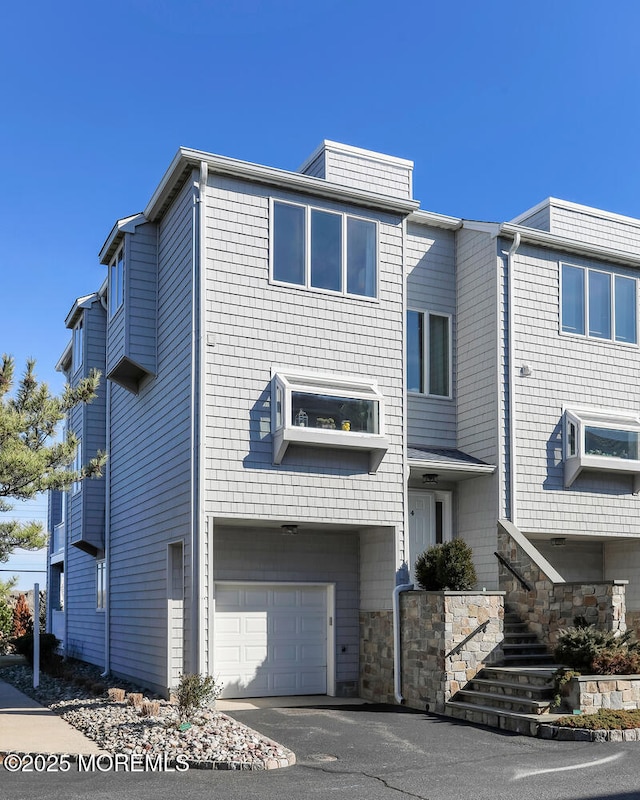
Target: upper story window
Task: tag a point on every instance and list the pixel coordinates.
(116, 282)
(76, 467)
(429, 353)
(324, 250)
(606, 441)
(327, 411)
(598, 304)
(76, 346)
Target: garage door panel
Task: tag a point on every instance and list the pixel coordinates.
(276, 648)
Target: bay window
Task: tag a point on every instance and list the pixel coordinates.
(327, 411)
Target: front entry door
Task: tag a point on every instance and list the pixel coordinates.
(429, 523)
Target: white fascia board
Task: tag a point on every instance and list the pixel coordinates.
(371, 155)
(556, 202)
(80, 303)
(122, 226)
(554, 242)
(65, 358)
(435, 220)
(274, 177)
(531, 211)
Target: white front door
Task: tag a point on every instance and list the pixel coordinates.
(429, 523)
(271, 639)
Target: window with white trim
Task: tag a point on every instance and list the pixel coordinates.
(598, 304)
(76, 466)
(326, 411)
(116, 282)
(326, 250)
(601, 440)
(76, 345)
(429, 353)
(101, 585)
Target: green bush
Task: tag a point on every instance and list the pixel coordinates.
(6, 626)
(195, 691)
(590, 650)
(446, 566)
(48, 646)
(604, 719)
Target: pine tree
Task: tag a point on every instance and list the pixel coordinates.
(22, 619)
(29, 462)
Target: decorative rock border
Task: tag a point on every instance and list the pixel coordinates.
(562, 734)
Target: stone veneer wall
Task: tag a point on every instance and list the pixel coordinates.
(376, 656)
(550, 606)
(432, 624)
(590, 693)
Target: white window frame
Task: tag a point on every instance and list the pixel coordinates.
(116, 282)
(285, 432)
(576, 459)
(307, 285)
(101, 584)
(585, 300)
(77, 345)
(76, 466)
(426, 360)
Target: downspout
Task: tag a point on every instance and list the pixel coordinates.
(107, 526)
(196, 410)
(397, 658)
(513, 478)
(203, 552)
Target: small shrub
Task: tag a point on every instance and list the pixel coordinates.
(22, 619)
(150, 708)
(48, 646)
(116, 695)
(580, 647)
(6, 626)
(134, 699)
(446, 566)
(616, 662)
(604, 719)
(98, 688)
(195, 691)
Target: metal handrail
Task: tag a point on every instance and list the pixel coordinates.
(507, 564)
(480, 629)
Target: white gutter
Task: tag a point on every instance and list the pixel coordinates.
(397, 652)
(513, 477)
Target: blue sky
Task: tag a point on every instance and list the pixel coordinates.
(500, 104)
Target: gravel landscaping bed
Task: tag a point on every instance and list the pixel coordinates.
(213, 741)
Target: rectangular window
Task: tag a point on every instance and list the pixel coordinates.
(429, 353)
(116, 282)
(313, 410)
(76, 467)
(324, 250)
(76, 346)
(101, 585)
(599, 303)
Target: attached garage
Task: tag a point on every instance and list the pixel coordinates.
(274, 638)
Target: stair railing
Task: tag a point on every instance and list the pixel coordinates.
(516, 574)
(480, 629)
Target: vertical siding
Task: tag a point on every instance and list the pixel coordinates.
(431, 286)
(150, 463)
(541, 219)
(252, 325)
(567, 370)
(316, 169)
(313, 556)
(622, 563)
(477, 406)
(377, 547)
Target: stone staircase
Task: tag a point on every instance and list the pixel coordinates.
(515, 696)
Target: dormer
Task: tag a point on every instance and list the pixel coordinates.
(361, 169)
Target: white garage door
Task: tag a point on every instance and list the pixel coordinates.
(270, 639)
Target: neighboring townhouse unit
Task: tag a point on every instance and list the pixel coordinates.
(307, 381)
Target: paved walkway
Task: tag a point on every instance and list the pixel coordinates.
(28, 727)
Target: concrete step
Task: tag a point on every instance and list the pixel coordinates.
(526, 724)
(531, 675)
(531, 691)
